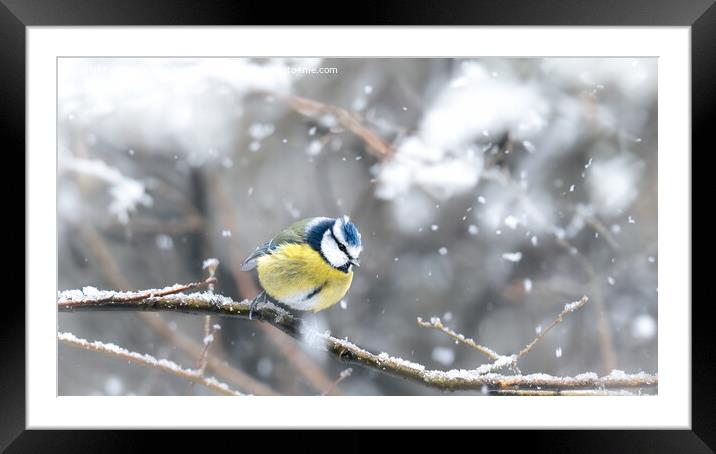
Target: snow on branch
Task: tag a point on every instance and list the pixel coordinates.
(91, 294)
(437, 324)
(501, 361)
(194, 376)
(483, 378)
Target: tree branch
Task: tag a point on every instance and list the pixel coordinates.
(101, 297)
(501, 361)
(349, 120)
(568, 308)
(194, 376)
(437, 324)
(342, 376)
(481, 378)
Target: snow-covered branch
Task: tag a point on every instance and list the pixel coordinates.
(482, 378)
(194, 376)
(501, 361)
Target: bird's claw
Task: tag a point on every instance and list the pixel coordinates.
(255, 303)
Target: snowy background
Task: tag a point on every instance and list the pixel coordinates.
(489, 192)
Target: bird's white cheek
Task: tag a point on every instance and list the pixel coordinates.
(355, 251)
(338, 231)
(332, 252)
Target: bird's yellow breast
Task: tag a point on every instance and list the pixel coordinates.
(297, 275)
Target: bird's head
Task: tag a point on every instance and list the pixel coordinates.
(341, 244)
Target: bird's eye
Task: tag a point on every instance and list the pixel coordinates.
(340, 245)
(343, 249)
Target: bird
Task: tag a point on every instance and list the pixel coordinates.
(309, 265)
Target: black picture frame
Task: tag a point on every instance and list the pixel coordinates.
(16, 15)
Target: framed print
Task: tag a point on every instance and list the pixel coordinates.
(379, 226)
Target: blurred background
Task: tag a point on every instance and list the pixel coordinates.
(489, 192)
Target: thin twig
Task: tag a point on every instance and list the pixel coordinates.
(342, 376)
(209, 332)
(148, 361)
(208, 340)
(568, 309)
(437, 324)
(501, 361)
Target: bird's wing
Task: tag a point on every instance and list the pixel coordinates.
(293, 234)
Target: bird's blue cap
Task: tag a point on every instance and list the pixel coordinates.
(351, 232)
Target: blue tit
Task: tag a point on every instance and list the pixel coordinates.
(309, 265)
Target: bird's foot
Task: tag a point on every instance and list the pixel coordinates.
(261, 297)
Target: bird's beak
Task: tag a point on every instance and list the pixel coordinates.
(355, 262)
